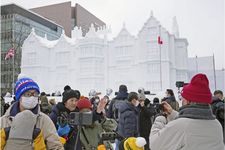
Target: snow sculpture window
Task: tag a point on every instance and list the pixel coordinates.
(153, 68)
(86, 67)
(152, 49)
(62, 58)
(181, 76)
(123, 50)
(31, 59)
(153, 85)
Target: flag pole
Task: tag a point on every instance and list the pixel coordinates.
(160, 59)
(214, 70)
(13, 65)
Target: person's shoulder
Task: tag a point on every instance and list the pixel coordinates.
(44, 116)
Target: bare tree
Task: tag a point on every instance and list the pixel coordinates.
(18, 31)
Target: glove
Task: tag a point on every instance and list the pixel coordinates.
(63, 131)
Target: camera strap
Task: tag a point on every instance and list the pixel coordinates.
(82, 130)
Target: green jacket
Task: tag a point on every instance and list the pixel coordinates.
(90, 135)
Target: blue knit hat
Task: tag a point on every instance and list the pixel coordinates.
(23, 85)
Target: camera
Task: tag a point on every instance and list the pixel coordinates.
(180, 84)
(110, 136)
(142, 90)
(76, 118)
(158, 107)
(80, 118)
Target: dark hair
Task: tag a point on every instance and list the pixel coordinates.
(170, 91)
(218, 92)
(132, 95)
(156, 100)
(43, 93)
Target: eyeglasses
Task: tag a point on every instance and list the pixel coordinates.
(29, 94)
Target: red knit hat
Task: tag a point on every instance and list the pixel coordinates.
(84, 102)
(198, 90)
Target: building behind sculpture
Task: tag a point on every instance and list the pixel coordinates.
(16, 25)
(69, 17)
(206, 65)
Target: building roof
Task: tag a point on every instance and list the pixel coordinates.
(15, 9)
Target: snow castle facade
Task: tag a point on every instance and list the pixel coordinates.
(94, 62)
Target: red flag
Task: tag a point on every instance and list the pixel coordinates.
(9, 54)
(160, 41)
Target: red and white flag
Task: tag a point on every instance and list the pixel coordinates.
(9, 54)
(160, 40)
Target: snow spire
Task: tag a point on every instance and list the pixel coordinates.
(151, 14)
(124, 25)
(175, 29)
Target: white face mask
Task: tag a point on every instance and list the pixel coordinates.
(29, 102)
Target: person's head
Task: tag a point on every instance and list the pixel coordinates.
(218, 94)
(123, 89)
(133, 98)
(197, 91)
(27, 92)
(70, 99)
(43, 94)
(169, 92)
(141, 97)
(84, 105)
(156, 100)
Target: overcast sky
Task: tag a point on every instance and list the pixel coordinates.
(200, 21)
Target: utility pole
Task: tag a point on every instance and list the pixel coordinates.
(214, 71)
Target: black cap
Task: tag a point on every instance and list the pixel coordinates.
(123, 88)
(70, 94)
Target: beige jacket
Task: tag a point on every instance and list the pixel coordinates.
(44, 123)
(185, 134)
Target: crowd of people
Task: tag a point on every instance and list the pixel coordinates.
(130, 119)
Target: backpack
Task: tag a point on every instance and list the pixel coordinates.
(45, 108)
(23, 134)
(116, 108)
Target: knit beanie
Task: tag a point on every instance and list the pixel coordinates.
(25, 84)
(135, 143)
(141, 96)
(70, 94)
(198, 90)
(84, 102)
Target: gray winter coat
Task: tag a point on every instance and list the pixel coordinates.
(195, 129)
